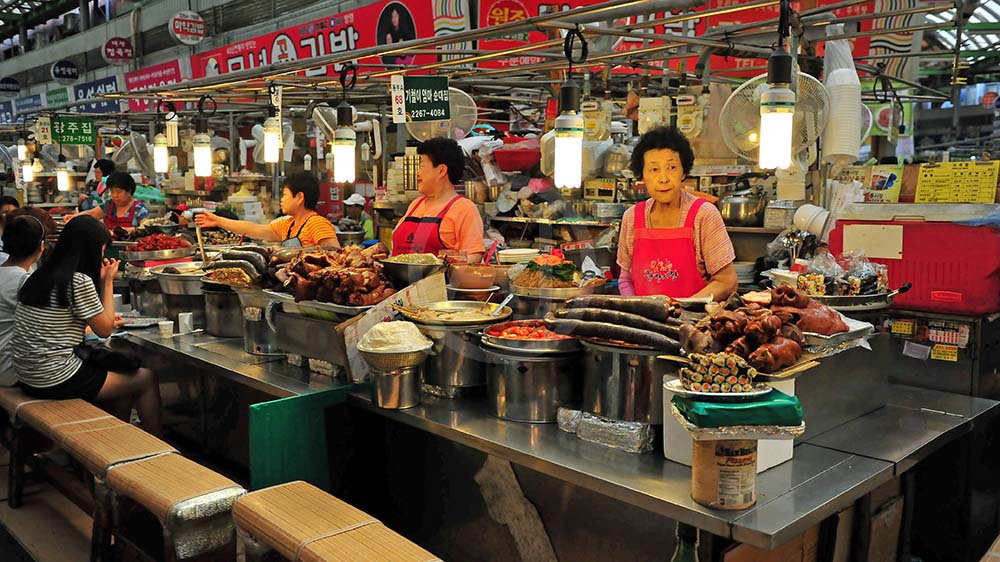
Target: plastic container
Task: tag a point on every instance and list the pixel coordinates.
(953, 268)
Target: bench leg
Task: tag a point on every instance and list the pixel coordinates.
(100, 540)
(253, 551)
(15, 470)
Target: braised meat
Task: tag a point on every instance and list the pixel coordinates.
(789, 296)
(817, 318)
(775, 355)
(349, 276)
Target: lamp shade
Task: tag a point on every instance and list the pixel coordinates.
(568, 150)
(202, 155)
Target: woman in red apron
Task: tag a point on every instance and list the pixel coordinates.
(674, 243)
(122, 209)
(441, 219)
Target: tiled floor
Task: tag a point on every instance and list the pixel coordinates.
(48, 526)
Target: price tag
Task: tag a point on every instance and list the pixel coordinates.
(943, 352)
(903, 327)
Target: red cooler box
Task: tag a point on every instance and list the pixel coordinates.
(954, 268)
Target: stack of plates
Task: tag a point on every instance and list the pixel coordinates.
(744, 272)
(517, 255)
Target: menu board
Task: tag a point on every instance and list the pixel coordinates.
(958, 182)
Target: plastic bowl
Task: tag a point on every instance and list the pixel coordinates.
(517, 160)
(471, 276)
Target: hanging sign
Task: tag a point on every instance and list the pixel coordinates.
(29, 104)
(89, 90)
(43, 130)
(118, 51)
(72, 130)
(58, 96)
(380, 23)
(151, 77)
(9, 87)
(64, 72)
(419, 98)
(187, 28)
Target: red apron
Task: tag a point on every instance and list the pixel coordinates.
(663, 259)
(420, 235)
(111, 219)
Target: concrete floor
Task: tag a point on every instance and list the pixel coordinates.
(47, 528)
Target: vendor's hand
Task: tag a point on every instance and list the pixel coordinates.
(119, 321)
(109, 268)
(206, 220)
(69, 217)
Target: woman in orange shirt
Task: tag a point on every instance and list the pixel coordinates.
(301, 226)
(441, 219)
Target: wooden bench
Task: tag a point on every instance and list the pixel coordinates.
(303, 523)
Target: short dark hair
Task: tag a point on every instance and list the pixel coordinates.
(662, 137)
(22, 236)
(445, 151)
(121, 180)
(8, 200)
(106, 166)
(42, 216)
(306, 184)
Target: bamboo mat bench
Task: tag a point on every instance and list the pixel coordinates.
(303, 523)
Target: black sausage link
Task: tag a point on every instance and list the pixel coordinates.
(608, 331)
(652, 308)
(253, 258)
(255, 249)
(620, 318)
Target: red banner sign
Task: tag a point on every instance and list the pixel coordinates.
(151, 77)
(381, 23)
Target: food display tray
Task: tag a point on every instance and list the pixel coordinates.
(551, 292)
(460, 306)
(527, 346)
(855, 329)
(760, 389)
(159, 254)
(316, 309)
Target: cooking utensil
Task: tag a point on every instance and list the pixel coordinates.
(486, 303)
(743, 208)
(201, 242)
(413, 314)
(179, 283)
(503, 304)
(351, 238)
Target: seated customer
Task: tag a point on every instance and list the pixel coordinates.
(71, 291)
(24, 240)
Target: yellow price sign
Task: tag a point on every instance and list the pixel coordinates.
(945, 353)
(903, 327)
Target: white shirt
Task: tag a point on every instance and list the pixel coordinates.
(11, 279)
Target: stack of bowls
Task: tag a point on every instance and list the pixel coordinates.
(744, 272)
(517, 255)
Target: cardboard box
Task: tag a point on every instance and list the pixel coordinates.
(884, 528)
(803, 548)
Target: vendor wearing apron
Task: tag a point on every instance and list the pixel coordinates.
(441, 219)
(121, 209)
(300, 227)
(673, 243)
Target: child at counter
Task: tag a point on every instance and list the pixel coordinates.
(24, 242)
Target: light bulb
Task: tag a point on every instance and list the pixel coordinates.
(173, 136)
(22, 150)
(777, 112)
(272, 140)
(27, 173)
(62, 178)
(344, 155)
(161, 154)
(307, 163)
(328, 160)
(37, 166)
(202, 155)
(568, 150)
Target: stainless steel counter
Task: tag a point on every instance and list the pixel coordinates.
(225, 357)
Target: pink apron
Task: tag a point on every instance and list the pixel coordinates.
(663, 259)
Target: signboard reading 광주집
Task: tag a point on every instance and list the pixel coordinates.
(72, 130)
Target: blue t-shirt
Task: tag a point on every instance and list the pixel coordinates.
(140, 214)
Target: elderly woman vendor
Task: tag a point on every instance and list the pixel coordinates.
(673, 243)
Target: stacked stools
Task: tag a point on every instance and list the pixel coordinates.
(303, 523)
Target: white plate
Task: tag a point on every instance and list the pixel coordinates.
(760, 389)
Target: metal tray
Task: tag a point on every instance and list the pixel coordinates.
(562, 293)
(160, 254)
(760, 389)
(862, 303)
(855, 329)
(179, 283)
(316, 309)
(511, 345)
(459, 306)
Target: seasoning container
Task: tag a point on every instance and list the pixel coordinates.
(724, 473)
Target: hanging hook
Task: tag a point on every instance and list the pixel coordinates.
(204, 101)
(171, 110)
(348, 78)
(571, 37)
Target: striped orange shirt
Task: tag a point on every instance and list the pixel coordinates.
(712, 246)
(317, 228)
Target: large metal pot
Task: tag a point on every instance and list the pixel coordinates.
(223, 314)
(179, 284)
(146, 297)
(258, 337)
(743, 208)
(456, 359)
(624, 384)
(354, 238)
(531, 389)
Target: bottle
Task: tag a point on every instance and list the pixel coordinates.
(687, 544)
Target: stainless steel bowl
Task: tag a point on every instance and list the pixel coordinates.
(404, 274)
(743, 208)
(351, 238)
(178, 284)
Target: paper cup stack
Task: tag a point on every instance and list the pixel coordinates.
(842, 137)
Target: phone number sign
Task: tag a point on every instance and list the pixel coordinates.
(67, 130)
(419, 98)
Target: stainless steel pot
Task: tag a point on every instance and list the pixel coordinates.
(258, 337)
(743, 208)
(456, 359)
(531, 389)
(223, 314)
(350, 238)
(146, 297)
(176, 304)
(396, 390)
(528, 308)
(178, 284)
(624, 385)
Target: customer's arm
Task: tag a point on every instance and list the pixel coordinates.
(251, 229)
(104, 323)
